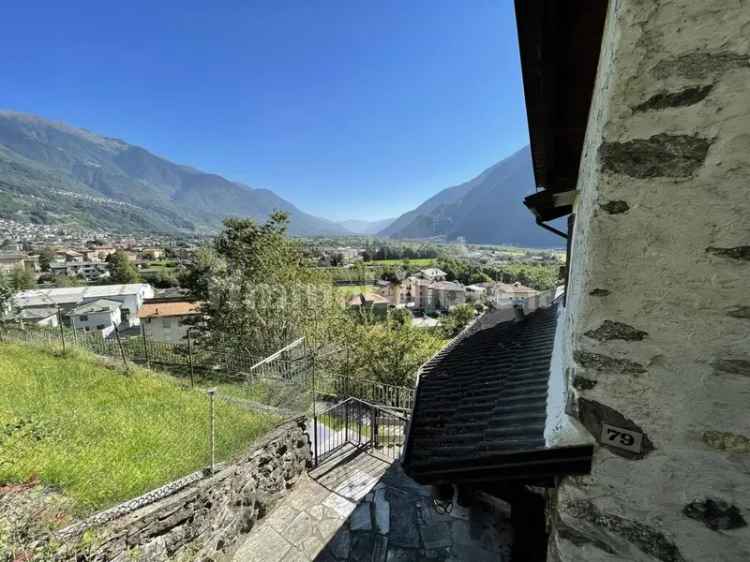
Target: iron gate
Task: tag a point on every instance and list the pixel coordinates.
(358, 424)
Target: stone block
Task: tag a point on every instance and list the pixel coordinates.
(361, 519)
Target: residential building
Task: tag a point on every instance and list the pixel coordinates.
(164, 320)
(508, 294)
(9, 261)
(130, 297)
(427, 295)
(432, 274)
(442, 295)
(369, 302)
(90, 271)
(99, 253)
(71, 256)
(47, 317)
(101, 316)
(153, 253)
(476, 293)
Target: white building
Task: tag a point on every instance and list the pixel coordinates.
(476, 293)
(47, 317)
(129, 296)
(509, 294)
(424, 294)
(165, 320)
(433, 274)
(100, 316)
(91, 271)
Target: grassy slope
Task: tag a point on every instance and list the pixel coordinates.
(103, 436)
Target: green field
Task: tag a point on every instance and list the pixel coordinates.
(417, 262)
(347, 291)
(102, 436)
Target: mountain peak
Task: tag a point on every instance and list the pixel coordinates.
(487, 209)
(107, 183)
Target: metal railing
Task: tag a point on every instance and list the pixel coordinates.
(358, 424)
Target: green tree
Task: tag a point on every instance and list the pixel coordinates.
(6, 293)
(457, 319)
(120, 268)
(45, 258)
(389, 352)
(21, 279)
(259, 293)
(67, 281)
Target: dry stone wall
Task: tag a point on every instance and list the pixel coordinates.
(657, 311)
(204, 517)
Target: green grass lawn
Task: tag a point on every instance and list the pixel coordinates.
(102, 436)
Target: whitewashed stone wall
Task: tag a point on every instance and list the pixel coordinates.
(658, 310)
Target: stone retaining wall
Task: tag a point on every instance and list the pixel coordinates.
(200, 519)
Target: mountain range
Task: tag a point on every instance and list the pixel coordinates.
(51, 172)
(365, 227)
(487, 209)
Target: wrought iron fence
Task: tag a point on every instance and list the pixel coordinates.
(358, 424)
(295, 364)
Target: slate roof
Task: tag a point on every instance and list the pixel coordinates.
(483, 402)
(101, 305)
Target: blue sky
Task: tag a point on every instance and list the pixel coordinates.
(348, 108)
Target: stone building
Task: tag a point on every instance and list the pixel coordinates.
(639, 117)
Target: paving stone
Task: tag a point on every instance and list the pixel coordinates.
(394, 521)
(328, 527)
(265, 545)
(382, 512)
(299, 529)
(396, 554)
(316, 512)
(361, 520)
(434, 555)
(363, 544)
(340, 505)
(380, 549)
(281, 517)
(295, 555)
(464, 552)
(404, 532)
(436, 535)
(340, 544)
(311, 546)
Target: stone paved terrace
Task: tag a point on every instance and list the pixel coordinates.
(358, 507)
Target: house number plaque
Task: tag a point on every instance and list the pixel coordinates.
(621, 438)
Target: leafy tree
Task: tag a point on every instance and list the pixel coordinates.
(21, 279)
(120, 268)
(67, 281)
(390, 352)
(45, 258)
(457, 319)
(401, 316)
(258, 291)
(165, 279)
(6, 293)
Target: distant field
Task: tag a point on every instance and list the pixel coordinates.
(419, 262)
(102, 436)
